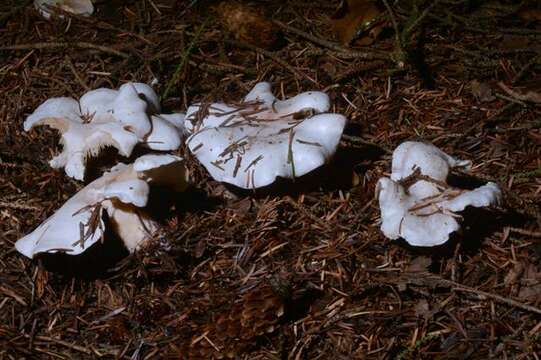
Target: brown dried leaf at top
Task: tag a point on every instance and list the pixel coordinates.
(360, 21)
(248, 24)
(529, 12)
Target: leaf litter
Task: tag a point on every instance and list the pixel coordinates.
(317, 252)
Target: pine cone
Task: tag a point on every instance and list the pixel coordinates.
(256, 314)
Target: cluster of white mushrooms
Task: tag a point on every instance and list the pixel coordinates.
(248, 145)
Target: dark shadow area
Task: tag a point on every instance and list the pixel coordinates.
(477, 225)
(417, 58)
(106, 159)
(465, 181)
(94, 263)
(105, 259)
(298, 304)
(163, 202)
(336, 175)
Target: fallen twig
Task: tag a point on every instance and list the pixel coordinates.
(499, 298)
(273, 57)
(366, 55)
(525, 68)
(525, 232)
(529, 96)
(422, 278)
(56, 45)
(183, 60)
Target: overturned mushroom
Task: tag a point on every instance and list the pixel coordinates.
(252, 143)
(105, 117)
(122, 193)
(417, 204)
(77, 7)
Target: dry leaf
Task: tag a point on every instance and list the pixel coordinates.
(422, 309)
(419, 264)
(511, 41)
(355, 179)
(481, 91)
(358, 20)
(530, 289)
(514, 274)
(42, 279)
(529, 96)
(529, 14)
(511, 280)
(248, 24)
(242, 207)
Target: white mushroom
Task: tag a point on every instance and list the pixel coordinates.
(77, 7)
(417, 204)
(82, 140)
(252, 143)
(105, 117)
(167, 132)
(122, 193)
(129, 109)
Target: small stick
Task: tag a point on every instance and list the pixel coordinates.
(290, 159)
(309, 143)
(331, 45)
(237, 165)
(421, 17)
(273, 57)
(395, 25)
(525, 232)
(425, 279)
(524, 69)
(56, 45)
(499, 298)
(255, 161)
(184, 59)
(529, 96)
(76, 74)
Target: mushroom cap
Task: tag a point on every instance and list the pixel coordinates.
(165, 136)
(154, 161)
(423, 214)
(62, 230)
(486, 195)
(61, 107)
(147, 94)
(431, 161)
(120, 192)
(98, 104)
(131, 110)
(77, 7)
(397, 221)
(251, 144)
(163, 170)
(316, 100)
(105, 117)
(83, 140)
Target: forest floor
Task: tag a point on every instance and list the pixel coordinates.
(301, 271)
